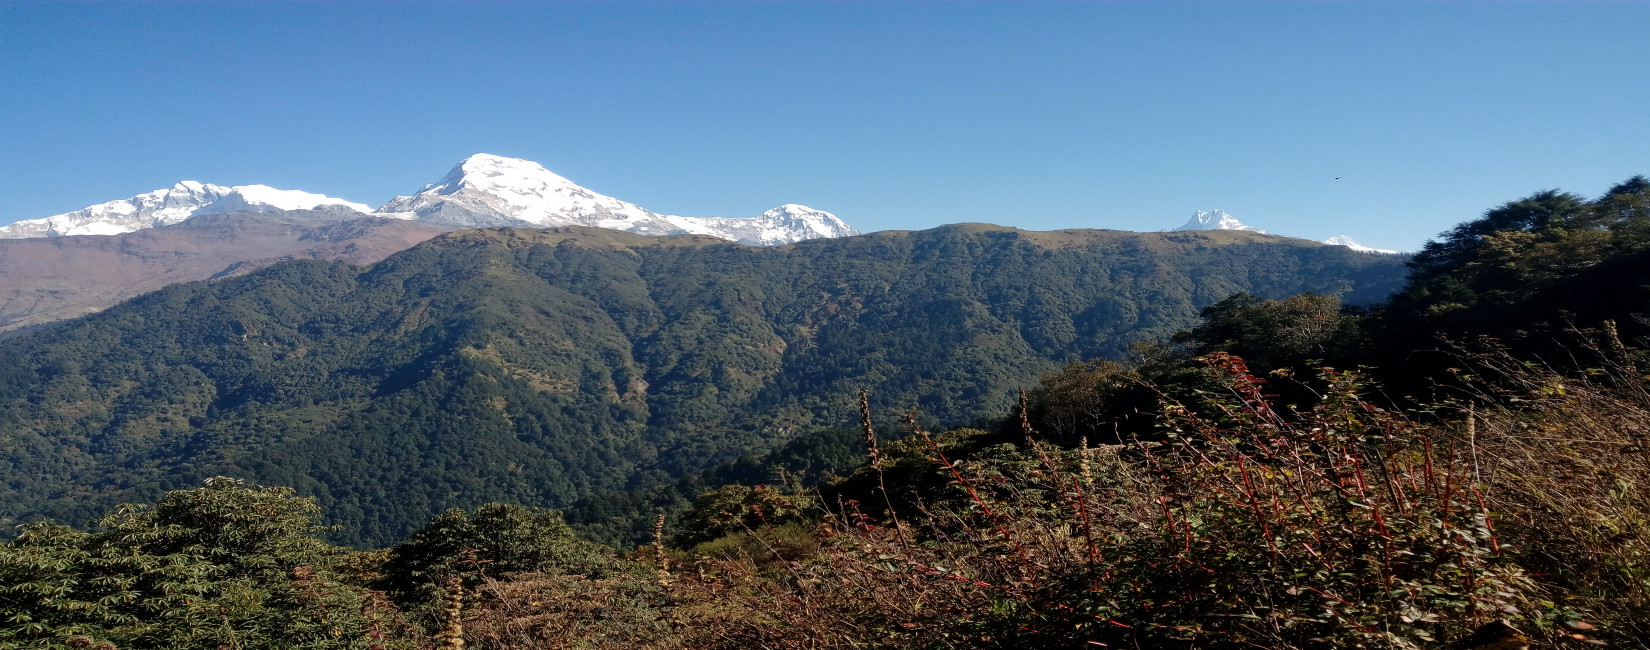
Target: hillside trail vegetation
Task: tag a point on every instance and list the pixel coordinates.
(1286, 474)
(1245, 525)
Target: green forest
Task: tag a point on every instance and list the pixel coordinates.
(967, 437)
(542, 367)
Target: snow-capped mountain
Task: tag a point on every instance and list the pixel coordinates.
(488, 190)
(157, 208)
(1343, 240)
(1216, 220)
(1220, 220)
(482, 190)
(785, 224)
(172, 205)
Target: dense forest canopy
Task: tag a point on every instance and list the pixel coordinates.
(539, 367)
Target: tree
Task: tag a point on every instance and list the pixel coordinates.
(1273, 334)
(494, 540)
(227, 564)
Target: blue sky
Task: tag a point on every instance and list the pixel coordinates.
(892, 115)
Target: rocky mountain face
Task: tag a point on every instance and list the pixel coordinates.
(44, 279)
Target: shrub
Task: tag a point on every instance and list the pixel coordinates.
(494, 541)
(224, 565)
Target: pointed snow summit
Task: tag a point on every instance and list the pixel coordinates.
(172, 205)
(489, 190)
(1216, 220)
(1343, 240)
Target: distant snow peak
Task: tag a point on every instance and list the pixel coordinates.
(1343, 240)
(1216, 220)
(489, 190)
(786, 224)
(800, 217)
(169, 206)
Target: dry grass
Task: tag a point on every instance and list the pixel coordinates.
(1565, 467)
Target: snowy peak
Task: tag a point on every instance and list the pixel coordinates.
(1220, 220)
(488, 172)
(489, 190)
(1343, 240)
(481, 190)
(786, 224)
(1216, 220)
(169, 206)
(801, 217)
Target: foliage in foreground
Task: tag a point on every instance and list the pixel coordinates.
(225, 565)
(1336, 525)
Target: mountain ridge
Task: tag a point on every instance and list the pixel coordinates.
(481, 190)
(174, 205)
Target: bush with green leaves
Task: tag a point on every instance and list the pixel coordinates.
(495, 540)
(224, 565)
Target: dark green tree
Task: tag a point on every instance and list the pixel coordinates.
(224, 565)
(494, 540)
(1273, 334)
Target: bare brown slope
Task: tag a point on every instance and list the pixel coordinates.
(48, 279)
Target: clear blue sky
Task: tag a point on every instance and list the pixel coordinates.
(893, 115)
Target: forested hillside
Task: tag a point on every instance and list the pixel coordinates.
(537, 367)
